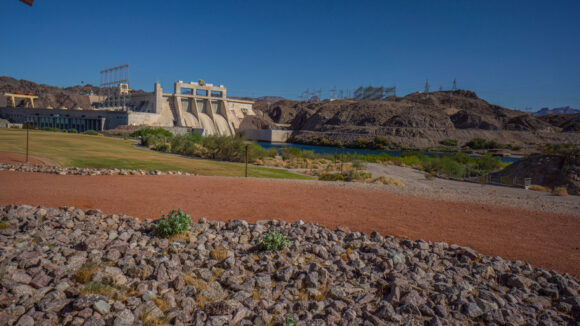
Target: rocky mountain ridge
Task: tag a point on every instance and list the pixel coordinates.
(560, 110)
(420, 118)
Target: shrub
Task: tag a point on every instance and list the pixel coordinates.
(358, 165)
(176, 222)
(91, 132)
(387, 181)
(274, 240)
(151, 131)
(449, 142)
(257, 152)
(164, 147)
(353, 175)
(331, 177)
(290, 321)
(72, 131)
(430, 176)
(50, 129)
(539, 188)
(560, 191)
(480, 143)
(185, 144)
(225, 148)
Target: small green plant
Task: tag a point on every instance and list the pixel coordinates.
(449, 142)
(274, 240)
(91, 133)
(290, 321)
(176, 222)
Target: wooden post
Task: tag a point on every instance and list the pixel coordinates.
(247, 143)
(246, 160)
(27, 131)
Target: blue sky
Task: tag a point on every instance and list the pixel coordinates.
(516, 54)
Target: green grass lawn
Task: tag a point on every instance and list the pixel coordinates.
(77, 150)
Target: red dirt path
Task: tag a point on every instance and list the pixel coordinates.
(547, 240)
(12, 158)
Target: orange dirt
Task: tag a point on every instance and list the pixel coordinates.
(13, 158)
(546, 240)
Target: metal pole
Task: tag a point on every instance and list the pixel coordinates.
(246, 160)
(27, 128)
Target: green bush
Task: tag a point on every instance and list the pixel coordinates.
(176, 222)
(151, 131)
(50, 129)
(480, 143)
(71, 131)
(295, 152)
(163, 147)
(225, 148)
(274, 240)
(91, 132)
(257, 152)
(185, 144)
(331, 177)
(449, 142)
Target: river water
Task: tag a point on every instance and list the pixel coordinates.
(337, 150)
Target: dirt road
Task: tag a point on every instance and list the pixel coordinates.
(543, 239)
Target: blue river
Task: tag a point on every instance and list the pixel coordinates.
(337, 150)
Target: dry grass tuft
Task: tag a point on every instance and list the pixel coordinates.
(256, 295)
(217, 272)
(539, 188)
(560, 191)
(219, 253)
(85, 273)
(430, 176)
(5, 225)
(182, 237)
(302, 295)
(387, 181)
(161, 304)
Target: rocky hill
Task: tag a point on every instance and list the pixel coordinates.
(69, 97)
(416, 119)
(71, 266)
(548, 170)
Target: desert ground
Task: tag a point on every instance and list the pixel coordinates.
(543, 238)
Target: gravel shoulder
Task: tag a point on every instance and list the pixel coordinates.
(417, 185)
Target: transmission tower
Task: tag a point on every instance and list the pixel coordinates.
(333, 92)
(426, 86)
(340, 93)
(454, 84)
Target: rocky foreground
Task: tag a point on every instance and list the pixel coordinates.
(74, 267)
(83, 171)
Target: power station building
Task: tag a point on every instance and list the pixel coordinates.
(194, 105)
